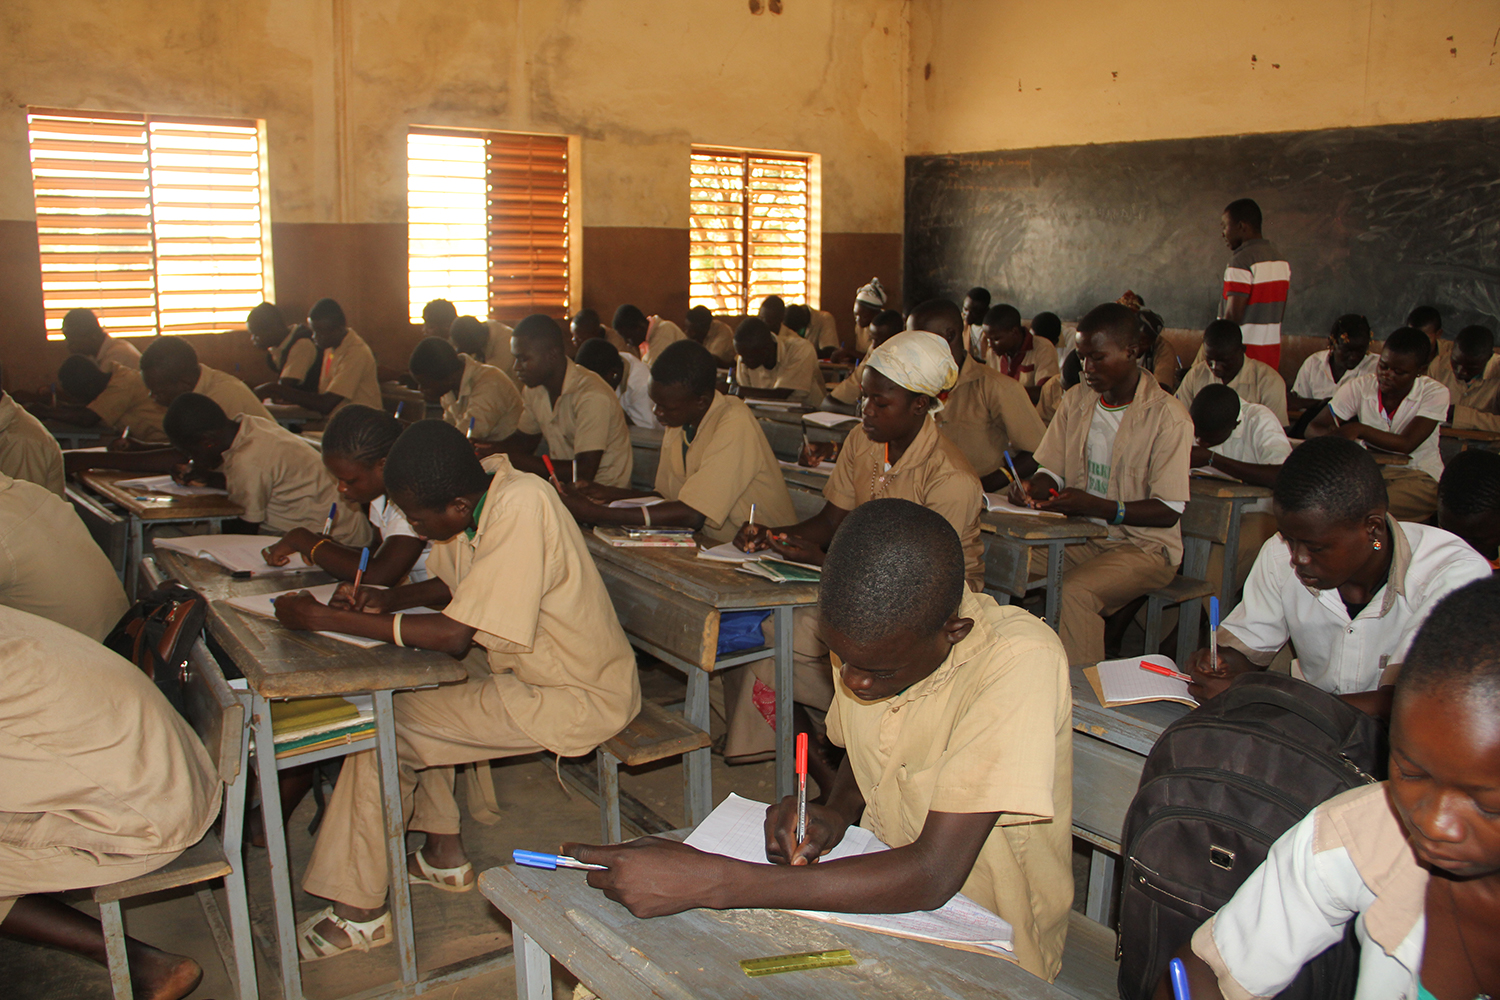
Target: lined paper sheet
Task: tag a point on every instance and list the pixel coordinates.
(1123, 682)
(825, 419)
(997, 503)
(265, 606)
(236, 553)
(166, 484)
(823, 466)
(728, 552)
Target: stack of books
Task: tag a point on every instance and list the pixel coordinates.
(307, 724)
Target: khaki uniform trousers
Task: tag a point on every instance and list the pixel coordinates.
(26, 870)
(750, 732)
(435, 730)
(1412, 493)
(1099, 578)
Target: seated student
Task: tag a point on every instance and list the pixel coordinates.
(290, 352)
(1469, 501)
(1245, 441)
(349, 373)
(276, 476)
(170, 368)
(1346, 358)
(869, 302)
(51, 566)
(1014, 351)
(355, 445)
(986, 414)
(1343, 581)
(574, 409)
(1117, 450)
(970, 785)
(844, 397)
(513, 576)
(976, 304)
(1048, 326)
(772, 312)
(437, 318)
(28, 450)
(647, 336)
(814, 326)
(897, 451)
(715, 460)
(1397, 409)
(115, 399)
(471, 337)
(1413, 862)
(586, 326)
(626, 374)
(771, 367)
(83, 335)
(104, 782)
(479, 400)
(1053, 389)
(1465, 377)
(1224, 361)
(712, 333)
(1157, 354)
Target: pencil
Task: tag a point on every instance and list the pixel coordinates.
(752, 513)
(1156, 668)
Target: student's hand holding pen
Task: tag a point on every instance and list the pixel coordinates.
(1078, 503)
(1212, 678)
(301, 611)
(652, 877)
(370, 600)
(794, 548)
(753, 537)
(825, 829)
(1030, 492)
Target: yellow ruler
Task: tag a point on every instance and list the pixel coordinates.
(800, 962)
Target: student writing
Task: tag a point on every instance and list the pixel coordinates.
(349, 373)
(772, 367)
(291, 353)
(114, 399)
(1224, 361)
(626, 374)
(1347, 357)
(479, 400)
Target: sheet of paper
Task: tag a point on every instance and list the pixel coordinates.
(998, 504)
(638, 502)
(1209, 472)
(728, 553)
(97, 448)
(1126, 682)
(775, 404)
(825, 419)
(824, 466)
(165, 484)
(265, 606)
(236, 553)
(736, 829)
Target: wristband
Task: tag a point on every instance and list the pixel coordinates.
(646, 513)
(312, 553)
(396, 629)
(1119, 517)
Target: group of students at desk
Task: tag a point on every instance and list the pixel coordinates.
(955, 711)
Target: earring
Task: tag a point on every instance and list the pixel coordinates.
(1377, 545)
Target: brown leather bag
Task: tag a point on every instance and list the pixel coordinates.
(157, 633)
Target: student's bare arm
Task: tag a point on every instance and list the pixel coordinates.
(1235, 310)
(1000, 479)
(280, 392)
(668, 514)
(1150, 513)
(156, 460)
(1419, 430)
(389, 563)
(750, 393)
(1296, 402)
(585, 466)
(422, 631)
(519, 447)
(1201, 979)
(801, 542)
(1323, 424)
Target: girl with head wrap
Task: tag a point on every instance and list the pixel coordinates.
(868, 302)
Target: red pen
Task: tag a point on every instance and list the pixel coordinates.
(801, 787)
(1156, 668)
(551, 472)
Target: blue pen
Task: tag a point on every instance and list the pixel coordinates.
(470, 435)
(364, 564)
(1213, 631)
(1012, 466)
(537, 859)
(333, 509)
(1178, 973)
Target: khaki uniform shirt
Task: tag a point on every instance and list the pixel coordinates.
(719, 341)
(1468, 418)
(350, 371)
(822, 330)
(1038, 362)
(280, 480)
(1257, 382)
(991, 730)
(27, 449)
(51, 566)
(851, 388)
(497, 351)
(121, 352)
(796, 368)
(727, 467)
(661, 334)
(1048, 398)
(1441, 367)
(488, 397)
(234, 397)
(126, 404)
(987, 414)
(558, 658)
(1150, 457)
(297, 356)
(933, 473)
(1477, 394)
(586, 417)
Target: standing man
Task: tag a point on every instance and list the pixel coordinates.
(1255, 282)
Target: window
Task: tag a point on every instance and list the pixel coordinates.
(158, 224)
(487, 221)
(753, 228)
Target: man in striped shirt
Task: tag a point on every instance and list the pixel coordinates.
(1255, 282)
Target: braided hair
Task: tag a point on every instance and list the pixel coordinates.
(361, 434)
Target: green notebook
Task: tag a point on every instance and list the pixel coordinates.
(780, 571)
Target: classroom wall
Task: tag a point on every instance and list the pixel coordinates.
(338, 82)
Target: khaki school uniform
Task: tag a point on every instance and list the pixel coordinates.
(234, 397)
(1468, 418)
(661, 334)
(719, 341)
(796, 368)
(297, 354)
(991, 730)
(497, 350)
(987, 414)
(822, 331)
(561, 678)
(586, 417)
(126, 404)
(1257, 382)
(1149, 460)
(350, 371)
(104, 781)
(487, 396)
(280, 480)
(851, 388)
(726, 466)
(1164, 363)
(1048, 398)
(51, 566)
(1441, 368)
(121, 352)
(1476, 394)
(27, 449)
(1038, 362)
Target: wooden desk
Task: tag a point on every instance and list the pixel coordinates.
(669, 602)
(142, 508)
(1212, 490)
(73, 436)
(279, 663)
(1470, 437)
(289, 415)
(1008, 541)
(696, 954)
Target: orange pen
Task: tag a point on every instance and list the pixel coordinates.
(1156, 668)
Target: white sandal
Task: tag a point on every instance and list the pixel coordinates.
(460, 879)
(314, 947)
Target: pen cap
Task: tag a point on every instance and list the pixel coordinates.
(534, 859)
(364, 558)
(801, 753)
(1213, 613)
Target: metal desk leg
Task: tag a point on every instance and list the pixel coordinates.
(395, 835)
(785, 729)
(1054, 581)
(533, 968)
(134, 548)
(697, 766)
(1100, 905)
(235, 887)
(1231, 556)
(281, 872)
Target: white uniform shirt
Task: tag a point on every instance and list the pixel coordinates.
(1335, 653)
(1257, 440)
(1315, 380)
(634, 397)
(388, 519)
(1359, 399)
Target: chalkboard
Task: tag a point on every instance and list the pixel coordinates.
(1372, 220)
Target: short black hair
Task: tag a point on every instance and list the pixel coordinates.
(700, 316)
(1244, 210)
(191, 417)
(81, 320)
(628, 316)
(1047, 326)
(1350, 326)
(1225, 334)
(266, 314)
(1121, 323)
(360, 433)
(1458, 643)
(889, 319)
(599, 356)
(440, 313)
(471, 335)
(329, 310)
(589, 317)
(978, 295)
(1424, 316)
(893, 566)
(1333, 475)
(1002, 316)
(1410, 341)
(433, 463)
(434, 357)
(1215, 408)
(81, 379)
(539, 328)
(1072, 369)
(751, 332)
(170, 356)
(797, 316)
(686, 362)
(1475, 341)
(936, 313)
(773, 300)
(1471, 483)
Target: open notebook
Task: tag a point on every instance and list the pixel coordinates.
(236, 553)
(265, 606)
(997, 503)
(166, 484)
(736, 830)
(1126, 682)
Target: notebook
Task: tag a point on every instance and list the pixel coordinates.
(727, 552)
(996, 503)
(824, 419)
(782, 570)
(166, 484)
(823, 466)
(1124, 682)
(236, 553)
(1209, 472)
(646, 538)
(265, 606)
(736, 830)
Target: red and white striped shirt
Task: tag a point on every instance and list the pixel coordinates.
(1257, 270)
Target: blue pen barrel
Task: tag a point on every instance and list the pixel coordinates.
(534, 859)
(1178, 973)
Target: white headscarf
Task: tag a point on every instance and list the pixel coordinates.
(871, 294)
(919, 362)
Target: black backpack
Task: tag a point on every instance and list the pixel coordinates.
(1220, 785)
